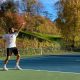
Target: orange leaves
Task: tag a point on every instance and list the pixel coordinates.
(13, 20)
(19, 19)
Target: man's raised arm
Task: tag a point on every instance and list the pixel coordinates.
(20, 28)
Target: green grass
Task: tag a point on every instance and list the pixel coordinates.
(48, 36)
(37, 75)
(40, 36)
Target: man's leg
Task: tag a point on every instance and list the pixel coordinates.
(9, 53)
(15, 51)
(17, 59)
(17, 62)
(5, 63)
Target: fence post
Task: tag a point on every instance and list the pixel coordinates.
(41, 51)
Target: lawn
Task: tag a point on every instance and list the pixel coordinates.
(40, 36)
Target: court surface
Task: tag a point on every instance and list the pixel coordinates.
(49, 67)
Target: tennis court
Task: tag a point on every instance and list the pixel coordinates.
(47, 67)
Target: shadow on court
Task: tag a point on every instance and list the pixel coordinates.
(64, 63)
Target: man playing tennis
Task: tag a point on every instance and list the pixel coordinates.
(10, 39)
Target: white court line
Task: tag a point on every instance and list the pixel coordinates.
(45, 71)
(53, 71)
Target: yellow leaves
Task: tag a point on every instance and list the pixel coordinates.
(26, 43)
(77, 38)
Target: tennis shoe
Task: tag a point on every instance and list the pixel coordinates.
(5, 69)
(18, 68)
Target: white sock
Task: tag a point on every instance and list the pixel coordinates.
(17, 64)
(4, 65)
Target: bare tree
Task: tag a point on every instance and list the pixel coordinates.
(34, 7)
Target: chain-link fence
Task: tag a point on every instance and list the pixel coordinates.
(45, 51)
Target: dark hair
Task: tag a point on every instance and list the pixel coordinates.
(10, 29)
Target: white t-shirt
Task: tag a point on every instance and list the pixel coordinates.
(10, 39)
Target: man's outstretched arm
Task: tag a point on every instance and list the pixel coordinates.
(20, 28)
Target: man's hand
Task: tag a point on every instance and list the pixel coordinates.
(23, 24)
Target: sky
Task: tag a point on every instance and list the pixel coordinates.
(48, 6)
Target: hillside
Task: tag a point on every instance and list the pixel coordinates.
(41, 24)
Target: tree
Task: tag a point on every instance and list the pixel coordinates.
(48, 15)
(9, 17)
(69, 20)
(33, 11)
(34, 7)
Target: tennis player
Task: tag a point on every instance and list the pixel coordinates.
(10, 39)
